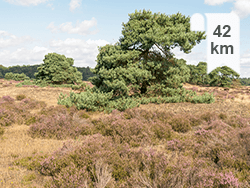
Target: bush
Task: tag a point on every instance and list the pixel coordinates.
(26, 82)
(180, 124)
(20, 97)
(57, 70)
(11, 112)
(57, 123)
(86, 100)
(94, 100)
(16, 77)
(135, 131)
(80, 164)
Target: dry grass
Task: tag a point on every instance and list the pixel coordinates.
(16, 143)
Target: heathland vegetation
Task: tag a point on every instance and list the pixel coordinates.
(135, 124)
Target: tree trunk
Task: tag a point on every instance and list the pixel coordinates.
(144, 88)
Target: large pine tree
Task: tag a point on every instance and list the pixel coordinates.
(131, 72)
(132, 64)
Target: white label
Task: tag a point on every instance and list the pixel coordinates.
(223, 39)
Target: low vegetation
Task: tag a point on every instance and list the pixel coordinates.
(177, 145)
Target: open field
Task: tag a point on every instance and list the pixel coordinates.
(218, 133)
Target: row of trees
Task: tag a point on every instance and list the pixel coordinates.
(221, 76)
(245, 81)
(198, 74)
(30, 70)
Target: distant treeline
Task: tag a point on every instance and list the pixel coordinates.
(245, 81)
(29, 70)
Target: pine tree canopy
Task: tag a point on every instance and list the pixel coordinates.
(141, 61)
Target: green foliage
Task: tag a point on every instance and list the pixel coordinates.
(236, 83)
(86, 73)
(130, 73)
(86, 100)
(26, 69)
(31, 163)
(30, 70)
(83, 115)
(123, 103)
(206, 98)
(198, 74)
(57, 69)
(28, 178)
(26, 82)
(16, 77)
(245, 81)
(222, 76)
(82, 86)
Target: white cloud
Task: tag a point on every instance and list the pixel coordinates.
(245, 58)
(74, 4)
(81, 28)
(217, 2)
(50, 5)
(83, 52)
(26, 2)
(4, 33)
(52, 27)
(8, 40)
(23, 56)
(241, 7)
(245, 65)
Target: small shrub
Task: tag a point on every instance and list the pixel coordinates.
(148, 168)
(223, 116)
(173, 145)
(162, 130)
(14, 155)
(31, 103)
(237, 121)
(7, 99)
(2, 130)
(83, 114)
(7, 117)
(57, 122)
(30, 162)
(194, 121)
(208, 116)
(20, 97)
(180, 124)
(30, 121)
(28, 178)
(82, 161)
(16, 77)
(136, 131)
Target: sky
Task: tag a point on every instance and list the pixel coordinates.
(30, 29)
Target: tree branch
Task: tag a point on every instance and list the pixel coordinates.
(167, 55)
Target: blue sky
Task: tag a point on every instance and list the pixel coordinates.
(30, 29)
